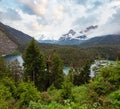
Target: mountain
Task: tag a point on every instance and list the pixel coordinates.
(106, 40)
(72, 37)
(11, 39)
(67, 40)
(48, 41)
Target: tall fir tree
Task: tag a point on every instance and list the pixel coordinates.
(56, 74)
(82, 76)
(34, 66)
(85, 73)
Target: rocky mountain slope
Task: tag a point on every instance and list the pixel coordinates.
(11, 39)
(6, 45)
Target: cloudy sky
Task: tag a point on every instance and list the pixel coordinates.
(56, 17)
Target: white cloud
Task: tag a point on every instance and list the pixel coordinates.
(55, 17)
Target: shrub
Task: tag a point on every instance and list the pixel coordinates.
(27, 92)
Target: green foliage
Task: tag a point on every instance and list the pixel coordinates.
(34, 65)
(5, 95)
(55, 94)
(112, 75)
(104, 86)
(85, 73)
(114, 99)
(2, 67)
(46, 97)
(9, 83)
(56, 76)
(54, 105)
(82, 76)
(27, 92)
(35, 105)
(66, 89)
(70, 75)
(102, 92)
(80, 94)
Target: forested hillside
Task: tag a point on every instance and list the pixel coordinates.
(105, 40)
(76, 56)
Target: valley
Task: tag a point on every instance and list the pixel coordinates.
(73, 72)
(59, 54)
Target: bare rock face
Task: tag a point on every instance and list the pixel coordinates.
(12, 39)
(7, 46)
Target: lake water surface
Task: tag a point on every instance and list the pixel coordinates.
(93, 69)
(11, 58)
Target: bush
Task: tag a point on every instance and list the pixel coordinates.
(114, 99)
(46, 98)
(35, 105)
(80, 94)
(66, 90)
(10, 84)
(5, 95)
(55, 94)
(27, 92)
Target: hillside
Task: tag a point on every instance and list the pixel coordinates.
(107, 40)
(11, 39)
(6, 45)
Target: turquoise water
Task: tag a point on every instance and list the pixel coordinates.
(20, 60)
(66, 70)
(94, 66)
(11, 58)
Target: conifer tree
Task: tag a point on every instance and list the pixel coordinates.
(85, 73)
(34, 66)
(82, 76)
(57, 75)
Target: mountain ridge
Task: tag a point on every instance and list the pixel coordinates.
(11, 39)
(111, 39)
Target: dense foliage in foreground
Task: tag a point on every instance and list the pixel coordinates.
(76, 90)
(102, 92)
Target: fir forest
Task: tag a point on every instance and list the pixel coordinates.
(59, 54)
